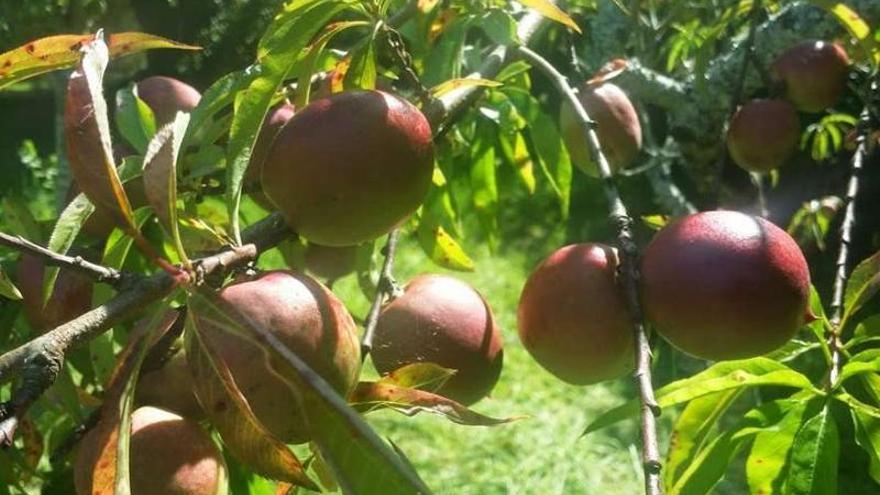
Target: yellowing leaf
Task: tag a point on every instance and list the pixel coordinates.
(854, 24)
(549, 10)
(454, 84)
(442, 248)
(61, 51)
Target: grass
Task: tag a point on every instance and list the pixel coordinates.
(542, 453)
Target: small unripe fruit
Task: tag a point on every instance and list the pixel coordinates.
(166, 96)
(273, 123)
(331, 263)
(168, 454)
(573, 317)
(814, 74)
(310, 321)
(71, 297)
(725, 285)
(442, 320)
(763, 135)
(348, 168)
(617, 126)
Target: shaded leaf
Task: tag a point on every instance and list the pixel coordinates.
(867, 429)
(160, 176)
(726, 375)
(371, 396)
(515, 150)
(62, 51)
(309, 64)
(814, 455)
(242, 432)
(362, 462)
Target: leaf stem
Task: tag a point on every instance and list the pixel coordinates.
(619, 216)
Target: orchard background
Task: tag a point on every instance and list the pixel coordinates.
(491, 78)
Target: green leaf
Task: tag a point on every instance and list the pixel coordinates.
(767, 460)
(862, 285)
(7, 288)
(134, 118)
(309, 65)
(87, 135)
(549, 10)
(160, 177)
(516, 152)
(867, 429)
(277, 54)
(62, 51)
(456, 84)
(242, 433)
(865, 362)
(691, 430)
(361, 73)
(814, 455)
(500, 27)
(362, 462)
(726, 375)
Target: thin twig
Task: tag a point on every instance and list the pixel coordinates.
(387, 287)
(95, 271)
(846, 228)
(630, 275)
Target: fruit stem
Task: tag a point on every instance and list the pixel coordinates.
(387, 286)
(846, 228)
(619, 216)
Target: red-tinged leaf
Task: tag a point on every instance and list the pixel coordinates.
(242, 432)
(62, 51)
(372, 396)
(160, 176)
(87, 133)
(32, 448)
(113, 432)
(426, 376)
(361, 461)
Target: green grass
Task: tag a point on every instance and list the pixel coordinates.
(542, 453)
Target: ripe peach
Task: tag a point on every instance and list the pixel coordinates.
(273, 123)
(168, 454)
(763, 134)
(814, 74)
(348, 168)
(725, 285)
(166, 96)
(306, 317)
(617, 126)
(442, 320)
(573, 317)
(71, 297)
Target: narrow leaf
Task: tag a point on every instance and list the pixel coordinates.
(455, 84)
(862, 285)
(134, 118)
(371, 396)
(160, 176)
(867, 430)
(87, 132)
(62, 51)
(768, 457)
(442, 248)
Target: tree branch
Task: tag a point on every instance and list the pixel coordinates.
(846, 228)
(629, 268)
(387, 287)
(95, 271)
